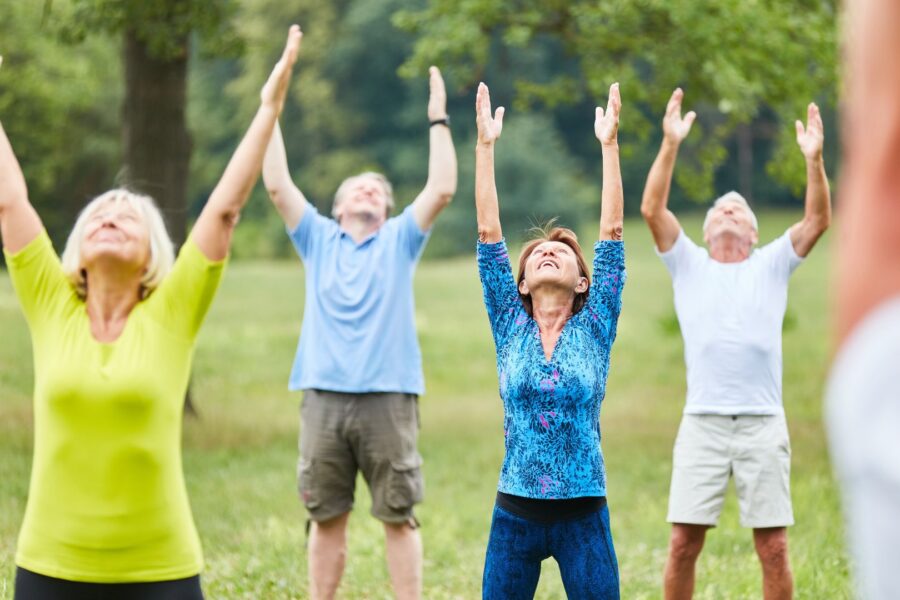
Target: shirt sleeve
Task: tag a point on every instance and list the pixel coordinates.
(38, 279)
(183, 298)
(411, 238)
(781, 255)
(501, 296)
(679, 257)
(604, 301)
(309, 230)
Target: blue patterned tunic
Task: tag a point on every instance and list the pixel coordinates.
(552, 409)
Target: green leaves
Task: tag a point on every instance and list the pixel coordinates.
(738, 56)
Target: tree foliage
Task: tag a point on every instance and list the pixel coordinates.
(734, 58)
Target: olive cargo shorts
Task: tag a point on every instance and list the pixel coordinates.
(375, 433)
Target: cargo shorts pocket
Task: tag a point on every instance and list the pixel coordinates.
(306, 483)
(405, 486)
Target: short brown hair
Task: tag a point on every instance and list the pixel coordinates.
(554, 234)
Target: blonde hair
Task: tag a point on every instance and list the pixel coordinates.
(162, 250)
(345, 186)
(731, 197)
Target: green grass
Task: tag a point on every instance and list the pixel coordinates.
(240, 455)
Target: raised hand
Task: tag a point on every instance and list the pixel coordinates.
(274, 91)
(437, 97)
(489, 128)
(676, 127)
(606, 126)
(811, 138)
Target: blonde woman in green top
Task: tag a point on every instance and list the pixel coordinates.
(113, 326)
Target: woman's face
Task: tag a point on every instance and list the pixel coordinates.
(116, 233)
(553, 265)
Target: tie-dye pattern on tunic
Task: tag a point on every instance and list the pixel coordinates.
(552, 409)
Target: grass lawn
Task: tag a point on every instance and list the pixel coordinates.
(240, 455)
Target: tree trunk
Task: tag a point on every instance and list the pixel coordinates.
(156, 141)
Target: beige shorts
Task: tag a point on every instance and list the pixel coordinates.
(710, 449)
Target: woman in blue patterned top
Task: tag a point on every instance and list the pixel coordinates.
(553, 330)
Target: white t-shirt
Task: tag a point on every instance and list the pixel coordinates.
(731, 316)
(863, 419)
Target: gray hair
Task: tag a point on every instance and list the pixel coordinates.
(731, 197)
(162, 251)
(350, 181)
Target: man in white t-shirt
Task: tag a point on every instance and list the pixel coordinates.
(730, 302)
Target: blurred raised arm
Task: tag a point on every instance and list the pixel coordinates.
(654, 205)
(606, 128)
(289, 201)
(487, 206)
(817, 215)
(19, 222)
(441, 184)
(215, 225)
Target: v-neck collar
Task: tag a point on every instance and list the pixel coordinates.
(540, 340)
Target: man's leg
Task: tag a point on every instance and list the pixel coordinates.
(685, 545)
(388, 428)
(326, 480)
(404, 558)
(772, 549)
(327, 556)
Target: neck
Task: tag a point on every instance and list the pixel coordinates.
(111, 297)
(359, 227)
(552, 308)
(727, 248)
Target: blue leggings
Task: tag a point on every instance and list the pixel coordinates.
(582, 547)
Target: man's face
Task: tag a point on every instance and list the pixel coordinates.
(731, 218)
(366, 199)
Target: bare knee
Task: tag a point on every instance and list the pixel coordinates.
(772, 548)
(331, 531)
(686, 542)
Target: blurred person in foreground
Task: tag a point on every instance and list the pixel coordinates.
(863, 399)
(730, 302)
(553, 330)
(113, 328)
(358, 360)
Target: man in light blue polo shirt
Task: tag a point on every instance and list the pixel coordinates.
(358, 358)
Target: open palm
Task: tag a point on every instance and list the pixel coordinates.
(812, 137)
(676, 127)
(275, 90)
(489, 128)
(606, 125)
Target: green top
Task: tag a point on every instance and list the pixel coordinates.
(107, 501)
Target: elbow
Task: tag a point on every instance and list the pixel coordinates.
(612, 231)
(647, 212)
(488, 234)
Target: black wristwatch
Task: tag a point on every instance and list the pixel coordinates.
(444, 121)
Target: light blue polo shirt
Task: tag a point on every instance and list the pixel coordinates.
(359, 331)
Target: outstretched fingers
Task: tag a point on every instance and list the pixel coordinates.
(673, 108)
(614, 104)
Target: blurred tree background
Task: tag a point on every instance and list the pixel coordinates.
(358, 98)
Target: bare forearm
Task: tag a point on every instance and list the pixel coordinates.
(287, 198)
(441, 161)
(243, 169)
(441, 184)
(487, 206)
(612, 197)
(12, 183)
(818, 194)
(659, 180)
